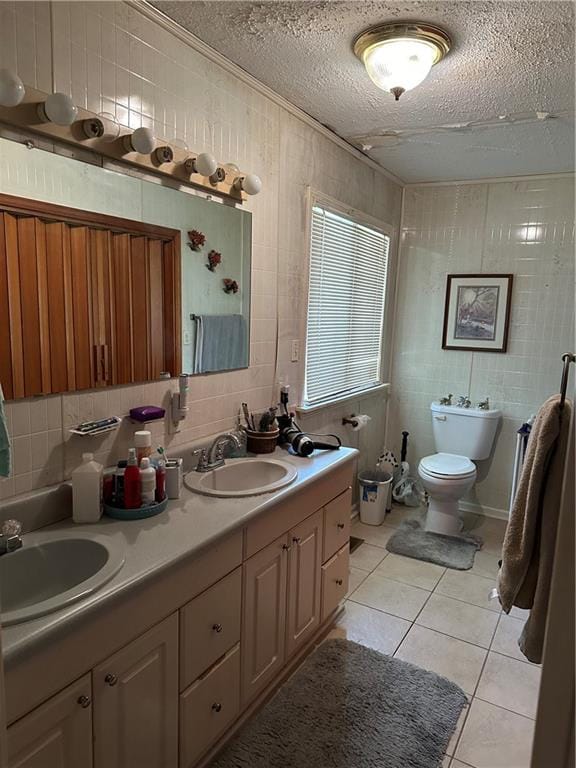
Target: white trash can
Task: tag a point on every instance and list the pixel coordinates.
(375, 495)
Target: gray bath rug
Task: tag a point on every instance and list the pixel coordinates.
(351, 707)
(411, 540)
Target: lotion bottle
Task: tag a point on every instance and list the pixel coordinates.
(87, 490)
(147, 481)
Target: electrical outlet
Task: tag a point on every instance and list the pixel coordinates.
(295, 353)
(187, 337)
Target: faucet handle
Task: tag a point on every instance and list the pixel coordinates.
(202, 459)
(463, 402)
(446, 400)
(484, 405)
(11, 528)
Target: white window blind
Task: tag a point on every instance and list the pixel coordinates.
(348, 266)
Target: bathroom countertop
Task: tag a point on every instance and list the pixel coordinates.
(189, 525)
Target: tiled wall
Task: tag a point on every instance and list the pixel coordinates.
(112, 58)
(520, 227)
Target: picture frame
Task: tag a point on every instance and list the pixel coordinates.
(477, 312)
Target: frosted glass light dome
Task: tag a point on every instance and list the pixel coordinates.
(399, 56)
(399, 63)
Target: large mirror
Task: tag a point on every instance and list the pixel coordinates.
(106, 278)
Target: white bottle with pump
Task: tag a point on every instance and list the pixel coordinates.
(87, 490)
(147, 481)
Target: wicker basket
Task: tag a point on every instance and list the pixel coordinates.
(261, 442)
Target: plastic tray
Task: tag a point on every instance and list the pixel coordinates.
(136, 514)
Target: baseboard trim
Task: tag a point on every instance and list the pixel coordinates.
(479, 509)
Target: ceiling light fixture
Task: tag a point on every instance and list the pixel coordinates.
(399, 56)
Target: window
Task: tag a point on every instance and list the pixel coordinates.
(348, 266)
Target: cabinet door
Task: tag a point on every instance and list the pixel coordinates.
(136, 702)
(264, 617)
(304, 566)
(58, 734)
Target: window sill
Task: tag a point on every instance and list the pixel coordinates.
(304, 409)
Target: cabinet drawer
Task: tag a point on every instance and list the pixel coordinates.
(335, 581)
(337, 524)
(209, 626)
(209, 707)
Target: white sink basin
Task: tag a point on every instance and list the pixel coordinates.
(242, 477)
(53, 572)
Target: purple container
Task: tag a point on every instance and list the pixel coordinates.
(147, 413)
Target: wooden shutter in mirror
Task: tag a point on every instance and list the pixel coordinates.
(86, 300)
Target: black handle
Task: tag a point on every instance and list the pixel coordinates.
(404, 449)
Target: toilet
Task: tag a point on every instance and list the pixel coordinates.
(461, 436)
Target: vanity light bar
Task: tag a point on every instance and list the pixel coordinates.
(55, 116)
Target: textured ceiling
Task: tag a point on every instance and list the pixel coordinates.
(508, 59)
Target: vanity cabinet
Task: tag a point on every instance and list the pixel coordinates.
(136, 702)
(57, 734)
(242, 614)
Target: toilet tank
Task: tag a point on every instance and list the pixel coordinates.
(464, 431)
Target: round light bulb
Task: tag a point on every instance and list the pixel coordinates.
(60, 109)
(251, 184)
(11, 88)
(142, 141)
(205, 164)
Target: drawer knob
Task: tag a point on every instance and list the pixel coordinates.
(296, 539)
(217, 707)
(84, 701)
(217, 628)
(339, 582)
(111, 679)
(341, 526)
(285, 547)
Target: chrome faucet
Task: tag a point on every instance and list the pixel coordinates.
(463, 402)
(10, 536)
(214, 457)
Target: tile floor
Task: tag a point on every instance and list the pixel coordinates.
(442, 620)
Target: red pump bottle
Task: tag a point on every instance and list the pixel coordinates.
(132, 496)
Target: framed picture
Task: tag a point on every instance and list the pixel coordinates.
(477, 312)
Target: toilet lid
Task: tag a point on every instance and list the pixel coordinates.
(447, 465)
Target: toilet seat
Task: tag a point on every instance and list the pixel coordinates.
(447, 465)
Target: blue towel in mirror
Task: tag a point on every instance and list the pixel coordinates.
(4, 440)
(221, 343)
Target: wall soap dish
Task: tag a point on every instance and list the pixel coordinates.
(146, 413)
(98, 427)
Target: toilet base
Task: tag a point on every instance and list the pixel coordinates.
(444, 517)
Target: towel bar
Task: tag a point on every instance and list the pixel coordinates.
(567, 358)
